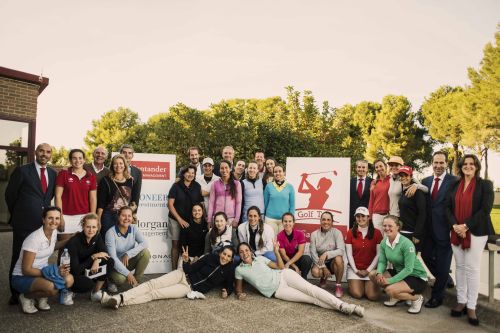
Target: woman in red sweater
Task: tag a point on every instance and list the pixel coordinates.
(378, 205)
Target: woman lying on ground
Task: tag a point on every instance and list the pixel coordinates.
(273, 279)
(28, 277)
(210, 271)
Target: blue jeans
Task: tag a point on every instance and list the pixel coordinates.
(270, 255)
(108, 220)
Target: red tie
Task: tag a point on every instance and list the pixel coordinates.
(43, 180)
(435, 189)
(360, 188)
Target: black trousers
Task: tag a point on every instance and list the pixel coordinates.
(18, 237)
(83, 284)
(437, 256)
(304, 264)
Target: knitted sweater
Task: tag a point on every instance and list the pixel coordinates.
(331, 242)
(279, 200)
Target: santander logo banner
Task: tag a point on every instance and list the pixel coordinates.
(153, 169)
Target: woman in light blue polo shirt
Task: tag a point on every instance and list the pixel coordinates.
(273, 279)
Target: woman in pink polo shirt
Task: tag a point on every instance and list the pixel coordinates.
(378, 205)
(362, 247)
(75, 195)
(292, 244)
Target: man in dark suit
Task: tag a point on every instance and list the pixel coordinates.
(436, 251)
(30, 189)
(136, 173)
(100, 155)
(360, 189)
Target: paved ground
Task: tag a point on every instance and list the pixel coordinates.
(256, 314)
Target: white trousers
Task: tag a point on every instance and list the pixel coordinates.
(277, 225)
(294, 288)
(171, 285)
(468, 268)
(377, 220)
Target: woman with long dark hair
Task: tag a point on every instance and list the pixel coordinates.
(468, 213)
(194, 235)
(252, 189)
(279, 198)
(362, 247)
(379, 204)
(220, 234)
(259, 235)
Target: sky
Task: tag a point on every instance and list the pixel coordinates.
(150, 55)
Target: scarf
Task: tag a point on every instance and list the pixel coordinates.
(462, 211)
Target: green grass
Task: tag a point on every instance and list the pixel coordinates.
(495, 218)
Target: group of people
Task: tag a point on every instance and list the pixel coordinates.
(238, 219)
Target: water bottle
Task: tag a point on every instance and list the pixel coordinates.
(65, 259)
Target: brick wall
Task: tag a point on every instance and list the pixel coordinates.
(18, 99)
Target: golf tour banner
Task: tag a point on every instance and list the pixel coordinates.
(321, 184)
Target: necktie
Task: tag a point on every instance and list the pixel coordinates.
(435, 189)
(360, 188)
(43, 180)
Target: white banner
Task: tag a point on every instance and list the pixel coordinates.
(321, 184)
(158, 175)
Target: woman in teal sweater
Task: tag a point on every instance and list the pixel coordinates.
(279, 198)
(407, 280)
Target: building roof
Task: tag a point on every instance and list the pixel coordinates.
(41, 81)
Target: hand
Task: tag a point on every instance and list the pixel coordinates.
(410, 192)
(234, 223)
(124, 260)
(61, 224)
(205, 193)
(381, 280)
(95, 267)
(102, 255)
(185, 254)
(183, 224)
(276, 246)
(362, 273)
(415, 240)
(223, 293)
(64, 270)
(322, 259)
(287, 265)
(131, 279)
(296, 268)
(242, 296)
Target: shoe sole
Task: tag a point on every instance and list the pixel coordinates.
(393, 305)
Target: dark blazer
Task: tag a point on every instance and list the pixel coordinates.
(25, 199)
(436, 209)
(136, 173)
(355, 201)
(479, 223)
(98, 176)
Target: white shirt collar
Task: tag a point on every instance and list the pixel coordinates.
(440, 177)
(95, 168)
(396, 241)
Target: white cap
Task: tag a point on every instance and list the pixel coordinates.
(207, 160)
(362, 210)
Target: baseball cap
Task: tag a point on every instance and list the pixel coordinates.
(207, 160)
(362, 210)
(406, 169)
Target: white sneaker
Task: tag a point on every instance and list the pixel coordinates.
(112, 288)
(43, 304)
(408, 302)
(28, 305)
(392, 302)
(113, 302)
(347, 308)
(359, 310)
(416, 306)
(67, 298)
(96, 296)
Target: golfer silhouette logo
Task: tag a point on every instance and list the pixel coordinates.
(319, 194)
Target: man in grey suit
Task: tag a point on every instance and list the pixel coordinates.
(136, 173)
(436, 250)
(30, 189)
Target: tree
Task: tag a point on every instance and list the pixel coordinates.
(115, 128)
(397, 132)
(60, 157)
(443, 113)
(482, 125)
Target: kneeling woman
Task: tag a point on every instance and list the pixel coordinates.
(363, 248)
(88, 252)
(273, 279)
(220, 234)
(28, 277)
(408, 280)
(257, 234)
(210, 271)
(128, 248)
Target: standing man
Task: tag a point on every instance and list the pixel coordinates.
(29, 191)
(437, 249)
(100, 155)
(260, 158)
(194, 160)
(360, 189)
(128, 152)
(206, 180)
(227, 155)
